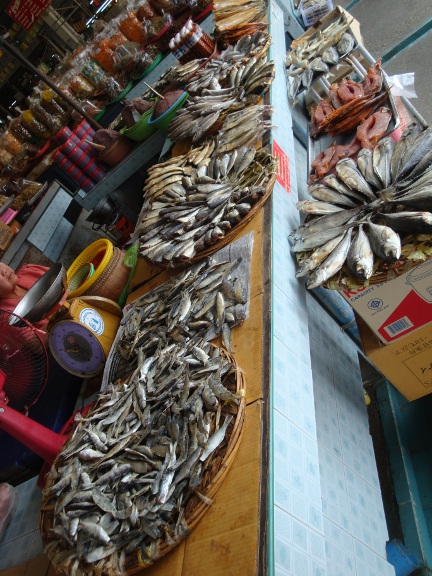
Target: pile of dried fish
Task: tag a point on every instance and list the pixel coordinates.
(349, 104)
(205, 300)
(385, 192)
(202, 112)
(229, 14)
(129, 479)
(192, 201)
(311, 57)
(248, 51)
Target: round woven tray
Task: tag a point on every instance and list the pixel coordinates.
(213, 478)
(229, 237)
(113, 279)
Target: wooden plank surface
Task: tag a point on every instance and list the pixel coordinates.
(226, 540)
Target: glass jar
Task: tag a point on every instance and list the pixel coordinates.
(93, 71)
(132, 27)
(144, 10)
(82, 87)
(103, 54)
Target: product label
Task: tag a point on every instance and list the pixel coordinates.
(93, 320)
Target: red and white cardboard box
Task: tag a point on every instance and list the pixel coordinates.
(398, 307)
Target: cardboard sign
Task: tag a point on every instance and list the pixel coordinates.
(398, 307)
(26, 12)
(283, 176)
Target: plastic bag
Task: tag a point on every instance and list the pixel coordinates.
(402, 85)
(7, 505)
(130, 260)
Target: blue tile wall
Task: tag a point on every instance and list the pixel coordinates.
(326, 508)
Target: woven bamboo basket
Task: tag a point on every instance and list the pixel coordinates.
(113, 279)
(214, 475)
(229, 237)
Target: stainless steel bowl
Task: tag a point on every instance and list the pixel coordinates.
(43, 295)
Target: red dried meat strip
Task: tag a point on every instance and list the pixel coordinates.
(322, 111)
(335, 101)
(373, 128)
(322, 161)
(372, 82)
(327, 160)
(349, 90)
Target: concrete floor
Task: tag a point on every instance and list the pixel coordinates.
(385, 23)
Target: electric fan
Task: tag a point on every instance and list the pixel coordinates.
(23, 374)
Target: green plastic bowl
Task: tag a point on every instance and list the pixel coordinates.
(142, 129)
(163, 122)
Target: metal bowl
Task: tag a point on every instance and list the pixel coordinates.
(43, 295)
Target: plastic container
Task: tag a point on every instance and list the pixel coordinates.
(83, 273)
(116, 152)
(74, 171)
(83, 130)
(404, 561)
(72, 151)
(144, 10)
(62, 136)
(65, 164)
(131, 27)
(86, 158)
(313, 13)
(165, 119)
(103, 54)
(142, 129)
(88, 184)
(100, 254)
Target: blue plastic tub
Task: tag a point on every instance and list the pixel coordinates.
(404, 561)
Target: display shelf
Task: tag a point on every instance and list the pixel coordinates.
(143, 153)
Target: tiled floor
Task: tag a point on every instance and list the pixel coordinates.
(21, 541)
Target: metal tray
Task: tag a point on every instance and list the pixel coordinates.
(323, 141)
(334, 70)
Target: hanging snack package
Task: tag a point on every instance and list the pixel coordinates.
(35, 126)
(20, 131)
(11, 143)
(5, 157)
(54, 104)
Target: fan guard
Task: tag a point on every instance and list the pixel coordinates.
(23, 360)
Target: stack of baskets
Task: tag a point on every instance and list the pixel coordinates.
(98, 271)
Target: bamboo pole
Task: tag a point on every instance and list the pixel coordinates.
(17, 54)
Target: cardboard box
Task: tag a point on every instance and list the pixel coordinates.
(395, 309)
(407, 363)
(6, 235)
